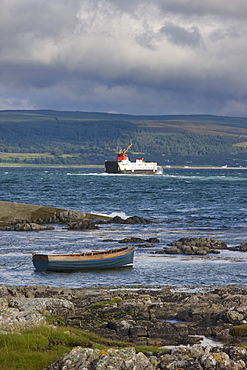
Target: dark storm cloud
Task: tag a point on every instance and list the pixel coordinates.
(133, 56)
(180, 35)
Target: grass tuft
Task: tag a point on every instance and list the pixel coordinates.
(38, 347)
(239, 331)
(102, 304)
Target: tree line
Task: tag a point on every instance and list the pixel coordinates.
(91, 139)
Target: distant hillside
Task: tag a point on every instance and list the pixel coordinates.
(56, 137)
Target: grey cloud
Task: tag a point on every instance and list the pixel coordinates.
(191, 8)
(147, 39)
(176, 34)
(180, 35)
(225, 8)
(133, 56)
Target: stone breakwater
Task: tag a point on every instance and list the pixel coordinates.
(139, 317)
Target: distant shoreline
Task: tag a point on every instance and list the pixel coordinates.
(206, 167)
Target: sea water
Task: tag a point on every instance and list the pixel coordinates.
(180, 203)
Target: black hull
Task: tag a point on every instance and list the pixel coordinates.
(112, 167)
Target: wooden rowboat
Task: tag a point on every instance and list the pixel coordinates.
(83, 261)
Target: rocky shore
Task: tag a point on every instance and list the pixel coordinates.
(190, 358)
(12, 213)
(26, 217)
(203, 329)
(186, 246)
(161, 318)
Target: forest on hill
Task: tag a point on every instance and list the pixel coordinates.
(46, 137)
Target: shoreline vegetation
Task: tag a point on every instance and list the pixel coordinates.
(57, 328)
(45, 327)
(209, 167)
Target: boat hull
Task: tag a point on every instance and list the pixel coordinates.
(115, 167)
(85, 261)
(112, 167)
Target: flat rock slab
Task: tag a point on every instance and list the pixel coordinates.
(11, 212)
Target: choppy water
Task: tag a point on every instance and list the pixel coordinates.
(182, 202)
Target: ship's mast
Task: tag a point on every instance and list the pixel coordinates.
(122, 155)
(127, 149)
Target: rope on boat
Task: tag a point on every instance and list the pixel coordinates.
(16, 267)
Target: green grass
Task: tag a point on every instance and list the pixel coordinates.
(239, 331)
(37, 348)
(10, 156)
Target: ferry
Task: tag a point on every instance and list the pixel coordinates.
(124, 166)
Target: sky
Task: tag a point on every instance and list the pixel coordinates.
(124, 56)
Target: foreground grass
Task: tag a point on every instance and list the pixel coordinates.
(37, 348)
(239, 331)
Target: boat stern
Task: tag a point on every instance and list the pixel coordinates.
(111, 167)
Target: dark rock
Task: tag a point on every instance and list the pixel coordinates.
(26, 226)
(153, 240)
(211, 243)
(173, 250)
(130, 220)
(121, 328)
(194, 357)
(50, 227)
(201, 251)
(159, 251)
(146, 245)
(138, 331)
(116, 220)
(132, 240)
(82, 225)
(66, 217)
(93, 359)
(214, 251)
(195, 246)
(240, 248)
(236, 353)
(148, 242)
(235, 317)
(143, 316)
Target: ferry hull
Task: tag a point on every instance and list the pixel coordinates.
(114, 167)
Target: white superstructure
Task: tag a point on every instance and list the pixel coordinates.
(139, 165)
